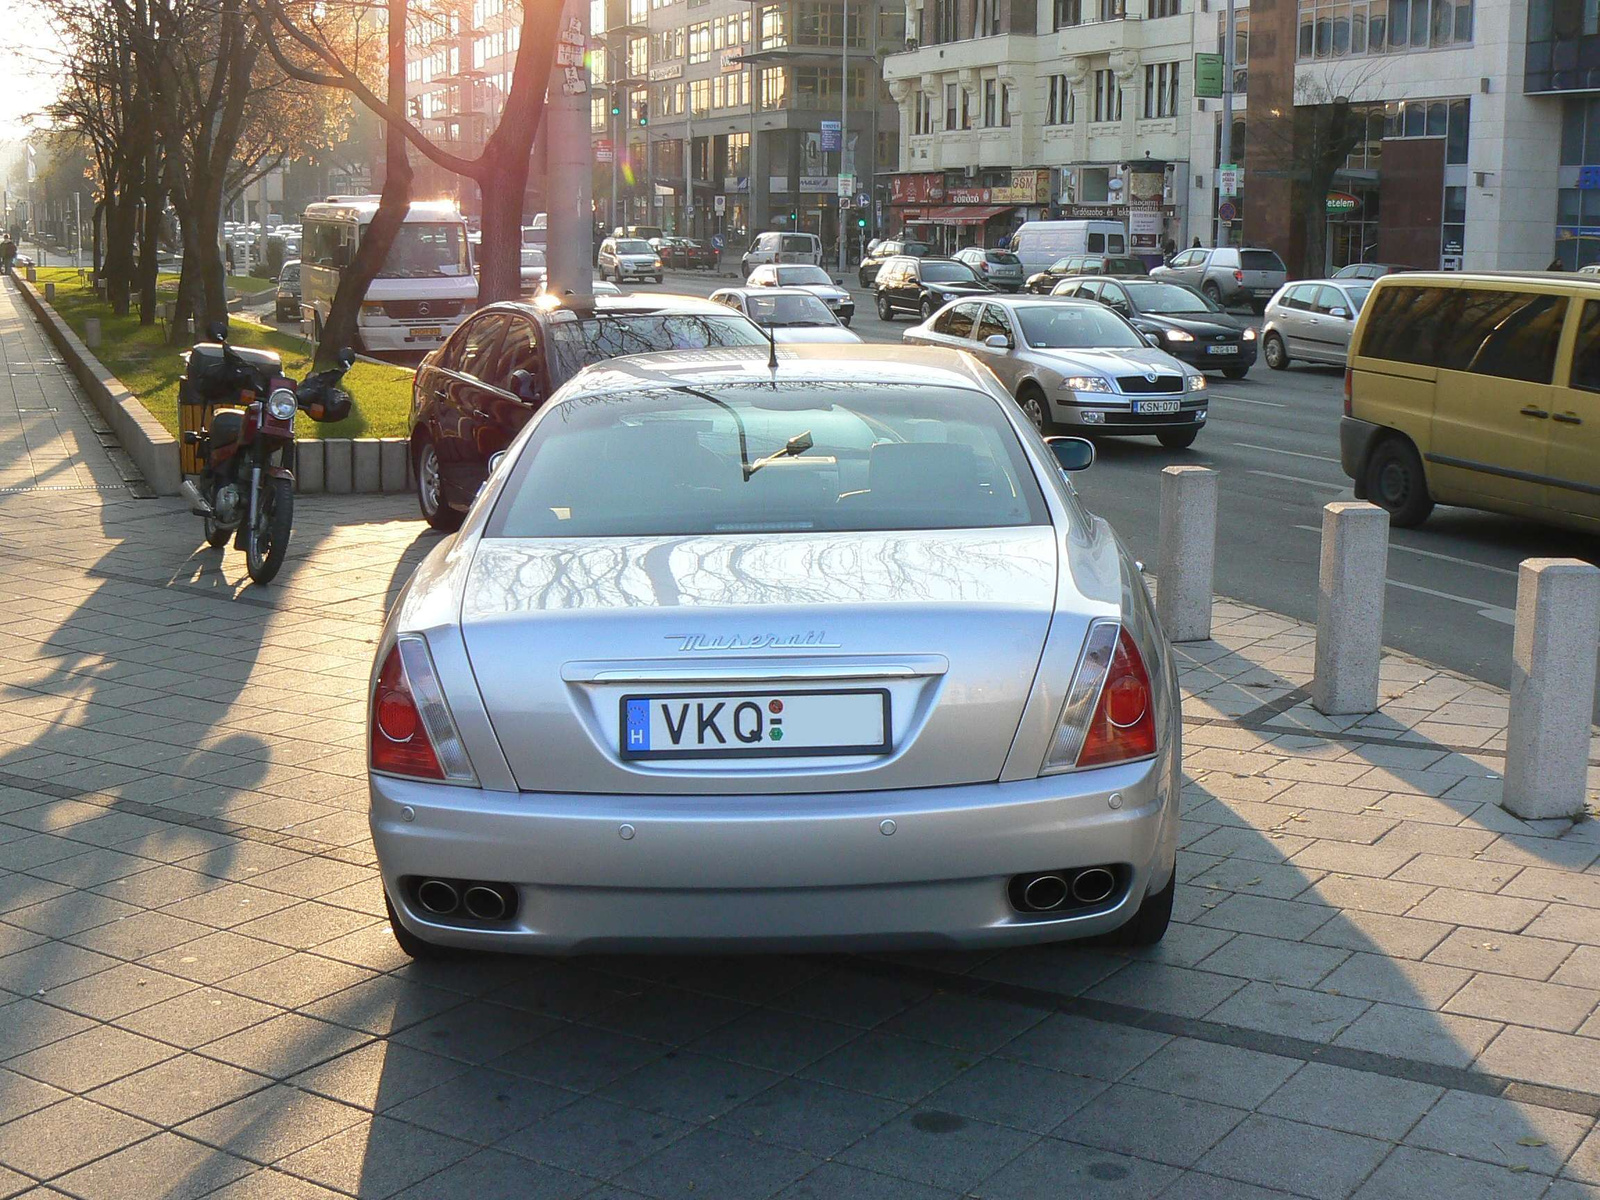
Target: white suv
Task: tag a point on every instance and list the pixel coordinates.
(626, 257)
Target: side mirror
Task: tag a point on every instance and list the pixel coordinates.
(524, 385)
(347, 358)
(1072, 453)
(1153, 339)
(495, 459)
(218, 331)
(1342, 313)
(838, 283)
(997, 341)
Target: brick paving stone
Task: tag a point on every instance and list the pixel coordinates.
(1582, 969)
(1065, 1043)
(166, 1165)
(1292, 1012)
(376, 1158)
(1269, 1151)
(1503, 1132)
(1363, 894)
(198, 1016)
(1410, 1174)
(20, 1095)
(1163, 987)
(937, 1148)
(1523, 1002)
(595, 1137)
(1442, 871)
(1505, 913)
(178, 1089)
(1209, 1071)
(1378, 861)
(1362, 1102)
(966, 1022)
(1274, 960)
(1395, 980)
(51, 1141)
(823, 1120)
(1402, 1031)
(1501, 953)
(1054, 1167)
(379, 1075)
(1159, 1126)
(1016, 1094)
(88, 1059)
(1540, 1056)
(1272, 918)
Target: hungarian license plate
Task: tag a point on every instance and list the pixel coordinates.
(755, 724)
(425, 331)
(1155, 406)
(1222, 349)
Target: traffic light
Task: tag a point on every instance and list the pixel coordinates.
(643, 113)
(861, 222)
(415, 105)
(616, 104)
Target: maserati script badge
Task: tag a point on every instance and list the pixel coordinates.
(815, 639)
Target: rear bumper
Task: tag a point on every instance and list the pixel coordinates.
(624, 873)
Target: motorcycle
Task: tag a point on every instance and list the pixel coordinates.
(237, 410)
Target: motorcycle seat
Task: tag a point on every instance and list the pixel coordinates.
(226, 426)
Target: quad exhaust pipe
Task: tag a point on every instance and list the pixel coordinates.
(484, 903)
(438, 897)
(1054, 891)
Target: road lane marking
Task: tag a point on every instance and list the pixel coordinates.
(1492, 612)
(1248, 400)
(1449, 558)
(1290, 453)
(1317, 483)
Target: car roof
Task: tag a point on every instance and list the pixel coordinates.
(823, 363)
(766, 291)
(633, 303)
(1015, 301)
(1413, 278)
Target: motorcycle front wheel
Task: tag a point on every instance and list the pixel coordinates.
(267, 540)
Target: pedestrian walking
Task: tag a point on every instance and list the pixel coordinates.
(8, 254)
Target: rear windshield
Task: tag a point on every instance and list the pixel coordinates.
(1169, 298)
(915, 249)
(1260, 260)
(787, 308)
(580, 343)
(793, 244)
(947, 272)
(1126, 266)
(681, 461)
(634, 246)
(1004, 257)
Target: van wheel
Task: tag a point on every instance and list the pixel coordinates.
(1395, 481)
(885, 310)
(1272, 350)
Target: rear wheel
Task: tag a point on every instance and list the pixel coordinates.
(267, 539)
(885, 310)
(1177, 439)
(1149, 924)
(1212, 292)
(410, 943)
(1273, 351)
(1395, 481)
(430, 489)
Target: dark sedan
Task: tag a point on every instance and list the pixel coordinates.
(1044, 282)
(474, 394)
(1190, 326)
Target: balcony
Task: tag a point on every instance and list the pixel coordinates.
(1100, 35)
(967, 54)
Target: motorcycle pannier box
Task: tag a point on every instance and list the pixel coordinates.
(205, 387)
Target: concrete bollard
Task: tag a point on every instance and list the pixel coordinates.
(1186, 552)
(91, 332)
(308, 466)
(1552, 688)
(366, 465)
(396, 458)
(338, 467)
(32, 274)
(1355, 564)
(49, 291)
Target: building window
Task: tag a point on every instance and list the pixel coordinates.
(1430, 118)
(922, 116)
(988, 18)
(738, 153)
(732, 91)
(1107, 97)
(1160, 90)
(1068, 13)
(1060, 108)
(1005, 106)
(1113, 10)
(1165, 8)
(774, 28)
(700, 42)
(966, 109)
(1338, 28)
(991, 112)
(700, 96)
(1241, 46)
(774, 87)
(950, 106)
(946, 16)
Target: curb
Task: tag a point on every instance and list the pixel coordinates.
(153, 450)
(386, 466)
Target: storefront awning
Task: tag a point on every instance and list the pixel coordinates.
(963, 214)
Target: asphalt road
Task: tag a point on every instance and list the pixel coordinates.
(1274, 437)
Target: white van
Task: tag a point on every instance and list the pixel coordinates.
(1040, 243)
(426, 286)
(778, 247)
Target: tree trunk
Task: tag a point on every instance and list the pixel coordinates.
(120, 217)
(95, 223)
(150, 238)
(500, 257)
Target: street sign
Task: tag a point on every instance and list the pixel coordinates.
(832, 135)
(716, 239)
(1228, 179)
(1340, 203)
(847, 186)
(1228, 210)
(604, 152)
(1208, 76)
(719, 204)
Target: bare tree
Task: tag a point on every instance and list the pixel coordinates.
(297, 40)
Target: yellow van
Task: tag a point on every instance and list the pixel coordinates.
(1479, 390)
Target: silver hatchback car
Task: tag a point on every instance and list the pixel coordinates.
(826, 655)
(1312, 322)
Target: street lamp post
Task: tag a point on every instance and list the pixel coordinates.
(1225, 149)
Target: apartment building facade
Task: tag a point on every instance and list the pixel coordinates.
(726, 117)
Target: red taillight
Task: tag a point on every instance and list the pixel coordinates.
(1238, 276)
(398, 739)
(1347, 396)
(1124, 723)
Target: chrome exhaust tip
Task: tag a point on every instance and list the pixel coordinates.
(197, 502)
(1093, 885)
(1045, 892)
(438, 897)
(484, 903)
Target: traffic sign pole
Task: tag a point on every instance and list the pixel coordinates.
(1227, 113)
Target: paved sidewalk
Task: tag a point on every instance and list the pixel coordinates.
(1378, 984)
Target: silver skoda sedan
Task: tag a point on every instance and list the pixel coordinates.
(821, 656)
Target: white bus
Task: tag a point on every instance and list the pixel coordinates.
(426, 287)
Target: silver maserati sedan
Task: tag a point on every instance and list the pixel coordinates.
(820, 651)
(1075, 365)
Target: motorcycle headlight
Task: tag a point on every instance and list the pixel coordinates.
(1249, 335)
(1086, 383)
(1179, 335)
(281, 404)
(1197, 383)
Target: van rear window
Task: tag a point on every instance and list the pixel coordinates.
(793, 244)
(1260, 260)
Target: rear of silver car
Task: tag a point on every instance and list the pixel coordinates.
(625, 736)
